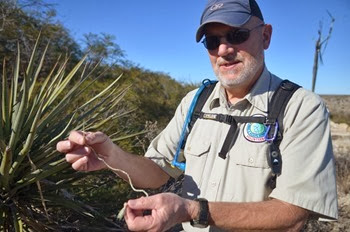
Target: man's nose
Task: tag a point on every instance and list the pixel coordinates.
(225, 47)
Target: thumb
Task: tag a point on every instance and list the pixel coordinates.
(95, 138)
(87, 138)
(77, 137)
(143, 203)
(99, 141)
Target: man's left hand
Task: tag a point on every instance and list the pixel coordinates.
(166, 210)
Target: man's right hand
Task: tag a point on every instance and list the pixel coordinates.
(83, 149)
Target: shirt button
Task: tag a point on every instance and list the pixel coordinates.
(250, 160)
(213, 184)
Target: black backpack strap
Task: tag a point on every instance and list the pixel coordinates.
(202, 98)
(274, 121)
(278, 105)
(229, 140)
(200, 103)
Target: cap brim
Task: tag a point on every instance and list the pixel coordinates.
(239, 20)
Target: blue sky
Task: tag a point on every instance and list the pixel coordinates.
(159, 35)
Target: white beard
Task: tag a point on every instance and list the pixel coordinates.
(245, 76)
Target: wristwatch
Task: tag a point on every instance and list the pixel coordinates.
(201, 220)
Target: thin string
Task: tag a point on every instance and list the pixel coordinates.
(115, 170)
(121, 213)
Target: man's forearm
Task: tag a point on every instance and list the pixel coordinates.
(267, 215)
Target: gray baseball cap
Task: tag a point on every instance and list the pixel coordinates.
(234, 13)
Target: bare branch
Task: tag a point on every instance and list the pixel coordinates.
(318, 49)
(329, 32)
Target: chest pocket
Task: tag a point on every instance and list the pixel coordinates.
(196, 158)
(251, 154)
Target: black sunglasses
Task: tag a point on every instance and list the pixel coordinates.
(237, 36)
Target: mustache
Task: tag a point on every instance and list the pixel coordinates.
(228, 59)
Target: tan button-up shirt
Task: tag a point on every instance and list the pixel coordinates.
(308, 171)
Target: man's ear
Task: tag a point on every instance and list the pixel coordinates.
(267, 34)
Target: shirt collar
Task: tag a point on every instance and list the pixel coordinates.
(258, 95)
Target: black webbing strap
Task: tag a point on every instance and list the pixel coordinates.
(233, 131)
(229, 119)
(230, 139)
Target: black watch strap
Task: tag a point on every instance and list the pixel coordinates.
(201, 221)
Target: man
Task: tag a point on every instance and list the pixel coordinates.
(235, 186)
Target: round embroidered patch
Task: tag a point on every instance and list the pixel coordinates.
(254, 132)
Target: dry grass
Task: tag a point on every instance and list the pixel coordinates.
(343, 174)
(338, 106)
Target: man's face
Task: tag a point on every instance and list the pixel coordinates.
(240, 65)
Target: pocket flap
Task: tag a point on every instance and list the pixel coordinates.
(258, 160)
(197, 149)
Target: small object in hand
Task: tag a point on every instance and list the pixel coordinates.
(121, 213)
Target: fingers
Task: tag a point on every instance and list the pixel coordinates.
(75, 138)
(167, 209)
(143, 203)
(81, 149)
(73, 156)
(64, 146)
(135, 217)
(132, 214)
(89, 138)
(82, 138)
(81, 164)
(136, 221)
(79, 158)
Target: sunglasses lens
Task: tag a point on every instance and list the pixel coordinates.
(239, 36)
(211, 42)
(234, 37)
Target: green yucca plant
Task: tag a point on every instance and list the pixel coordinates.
(35, 114)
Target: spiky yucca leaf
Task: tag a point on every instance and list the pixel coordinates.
(34, 118)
